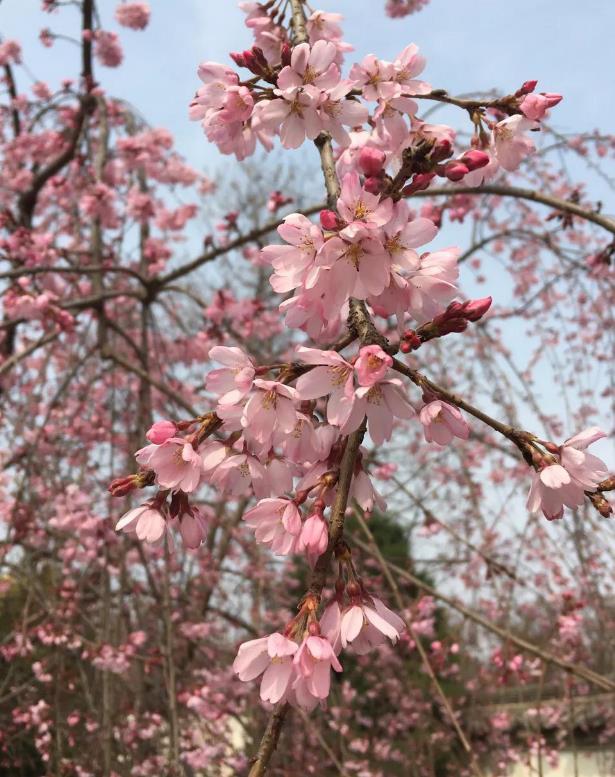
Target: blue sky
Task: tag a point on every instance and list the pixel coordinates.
(470, 45)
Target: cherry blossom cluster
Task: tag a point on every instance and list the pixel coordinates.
(296, 665)
(298, 93)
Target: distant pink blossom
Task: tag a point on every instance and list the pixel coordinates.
(107, 48)
(133, 15)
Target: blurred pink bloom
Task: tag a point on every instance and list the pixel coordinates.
(133, 15)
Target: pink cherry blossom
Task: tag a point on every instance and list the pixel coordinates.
(332, 376)
(350, 267)
(535, 106)
(293, 115)
(234, 381)
(273, 656)
(146, 521)
(372, 365)
(512, 146)
(376, 78)
(551, 489)
(360, 209)
(382, 403)
(441, 422)
(312, 66)
(276, 524)
(365, 626)
(408, 65)
(176, 464)
(313, 662)
(314, 537)
(292, 262)
(270, 409)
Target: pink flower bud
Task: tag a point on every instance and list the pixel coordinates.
(455, 170)
(441, 151)
(371, 161)
(535, 106)
(329, 219)
(238, 58)
(476, 309)
(475, 159)
(373, 185)
(420, 181)
(285, 54)
(526, 88)
(161, 431)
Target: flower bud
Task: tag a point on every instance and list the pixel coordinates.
(455, 170)
(373, 184)
(285, 54)
(371, 161)
(238, 58)
(420, 181)
(476, 309)
(122, 486)
(329, 220)
(441, 150)
(160, 432)
(526, 88)
(475, 159)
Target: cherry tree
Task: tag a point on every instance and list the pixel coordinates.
(294, 504)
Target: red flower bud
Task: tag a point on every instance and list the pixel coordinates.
(475, 159)
(285, 53)
(476, 309)
(122, 486)
(420, 181)
(238, 58)
(455, 170)
(373, 184)
(526, 88)
(329, 220)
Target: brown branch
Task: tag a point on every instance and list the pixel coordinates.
(419, 645)
(524, 194)
(580, 671)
